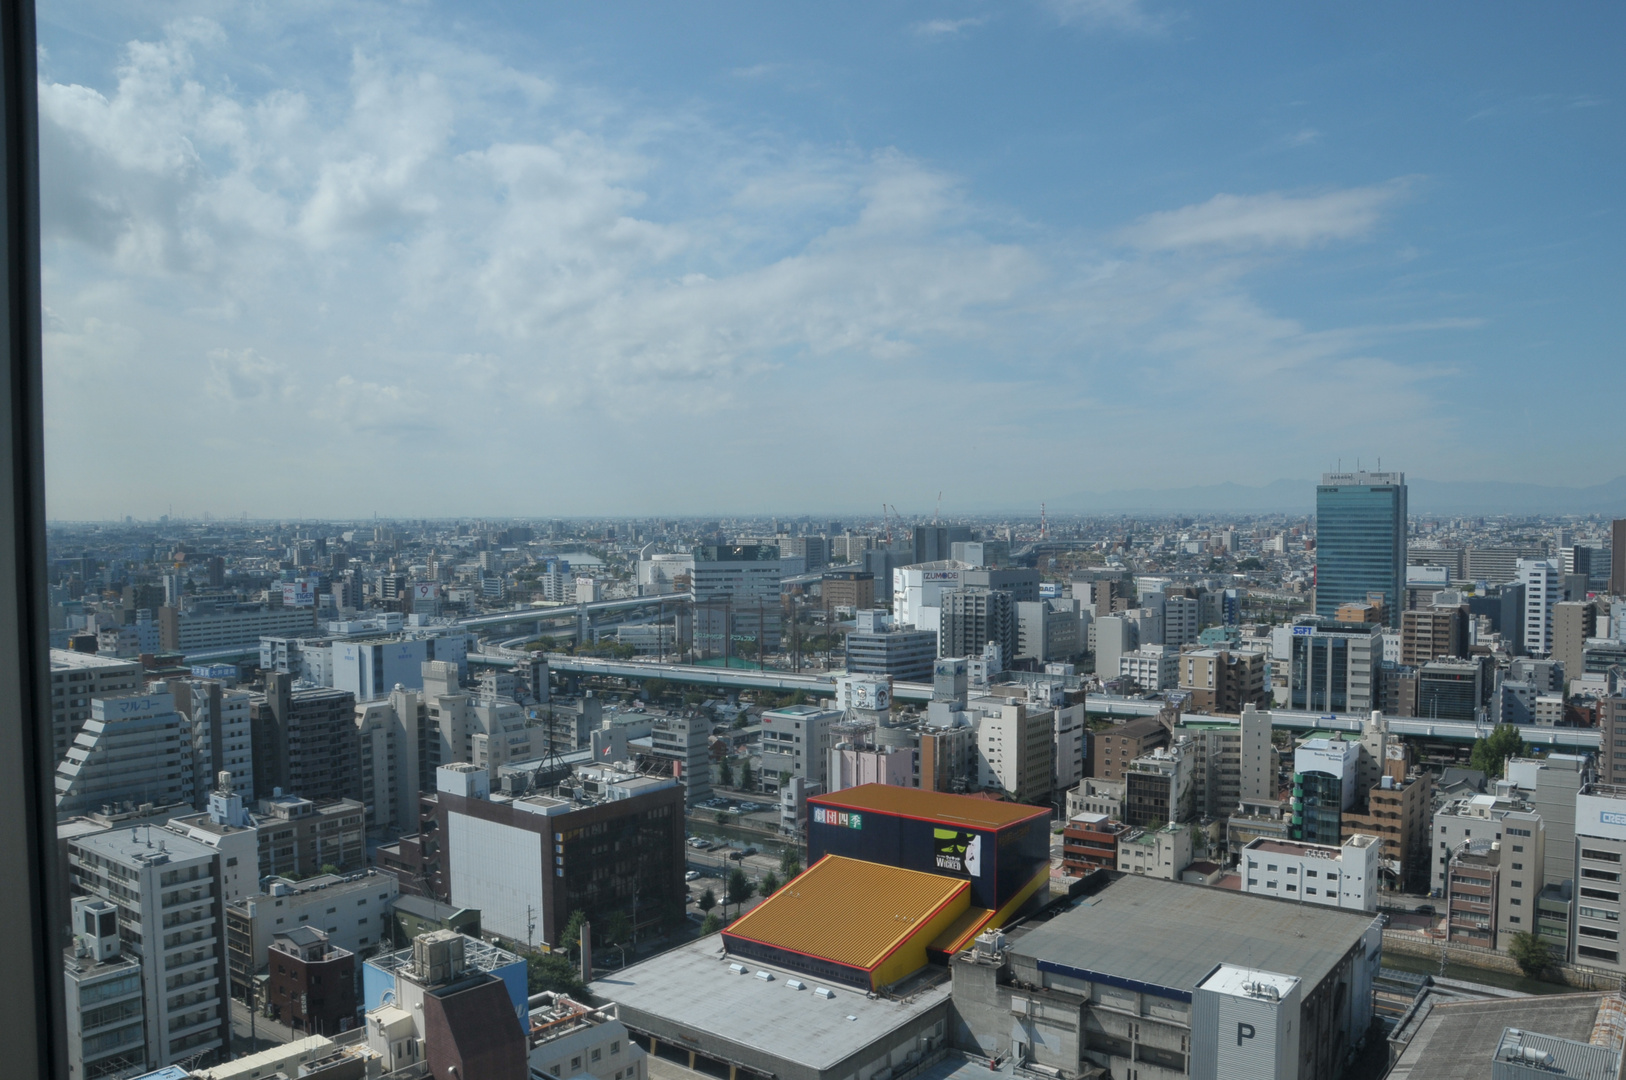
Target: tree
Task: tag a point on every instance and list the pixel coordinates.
(745, 775)
(770, 883)
(707, 901)
(329, 868)
(726, 774)
(710, 925)
(789, 864)
(655, 688)
(740, 888)
(1532, 954)
(618, 929)
(1490, 754)
(570, 940)
(552, 971)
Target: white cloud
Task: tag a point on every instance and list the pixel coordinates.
(941, 28)
(1129, 16)
(1271, 220)
(397, 278)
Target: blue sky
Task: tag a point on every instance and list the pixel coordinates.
(332, 259)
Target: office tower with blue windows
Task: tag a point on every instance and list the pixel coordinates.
(1361, 541)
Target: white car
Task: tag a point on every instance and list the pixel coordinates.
(692, 875)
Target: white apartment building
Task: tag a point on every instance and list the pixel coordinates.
(1543, 588)
(1344, 877)
(76, 680)
(1151, 667)
(1014, 747)
(172, 917)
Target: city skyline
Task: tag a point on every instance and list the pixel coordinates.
(363, 259)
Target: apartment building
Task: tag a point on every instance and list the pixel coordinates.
(77, 679)
(167, 890)
(1398, 813)
(135, 749)
(1114, 748)
(107, 1027)
(1222, 680)
(1431, 633)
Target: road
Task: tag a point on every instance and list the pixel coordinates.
(267, 1032)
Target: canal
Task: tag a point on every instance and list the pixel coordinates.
(1422, 965)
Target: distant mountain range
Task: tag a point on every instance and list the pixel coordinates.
(1298, 497)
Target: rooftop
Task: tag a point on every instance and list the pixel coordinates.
(1294, 847)
(931, 806)
(853, 912)
(1455, 1039)
(66, 659)
(692, 989)
(145, 844)
(1169, 935)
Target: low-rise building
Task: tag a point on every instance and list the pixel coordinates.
(1162, 853)
(1398, 814)
(1345, 876)
(569, 1039)
(353, 910)
(1089, 842)
(1151, 667)
(311, 984)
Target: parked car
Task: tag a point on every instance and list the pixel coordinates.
(692, 875)
(1423, 909)
(747, 851)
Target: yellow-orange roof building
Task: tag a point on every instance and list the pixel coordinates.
(857, 923)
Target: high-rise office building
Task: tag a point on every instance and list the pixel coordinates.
(1617, 560)
(1361, 541)
(1543, 589)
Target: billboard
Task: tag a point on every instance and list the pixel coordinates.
(997, 862)
(425, 590)
(297, 594)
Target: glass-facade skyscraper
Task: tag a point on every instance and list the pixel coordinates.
(1360, 541)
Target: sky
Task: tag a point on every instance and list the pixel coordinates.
(543, 259)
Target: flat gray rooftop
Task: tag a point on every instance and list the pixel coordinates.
(1456, 1039)
(692, 988)
(1169, 934)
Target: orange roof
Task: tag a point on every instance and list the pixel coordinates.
(853, 912)
(931, 805)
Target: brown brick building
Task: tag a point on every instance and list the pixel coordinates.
(1431, 633)
(1112, 750)
(311, 985)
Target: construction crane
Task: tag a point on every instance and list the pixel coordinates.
(938, 512)
(887, 522)
(1044, 525)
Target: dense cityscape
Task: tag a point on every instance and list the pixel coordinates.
(926, 540)
(842, 800)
